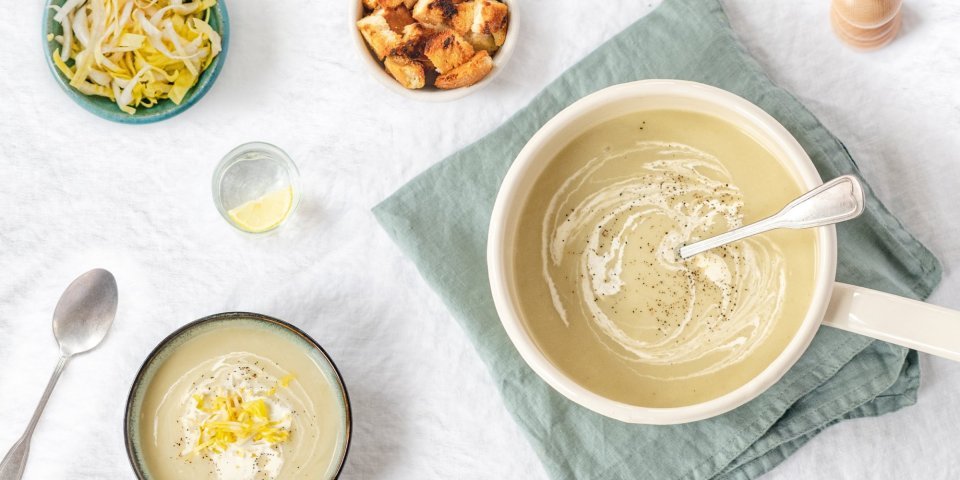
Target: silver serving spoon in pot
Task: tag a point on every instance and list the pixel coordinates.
(81, 320)
(836, 201)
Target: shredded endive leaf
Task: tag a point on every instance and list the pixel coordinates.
(135, 52)
(238, 416)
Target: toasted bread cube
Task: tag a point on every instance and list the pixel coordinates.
(462, 21)
(448, 50)
(491, 17)
(370, 4)
(482, 41)
(419, 31)
(409, 3)
(435, 12)
(414, 42)
(467, 74)
(500, 36)
(408, 72)
(376, 31)
(398, 18)
(389, 3)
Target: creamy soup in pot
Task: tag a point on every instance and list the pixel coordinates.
(242, 402)
(600, 285)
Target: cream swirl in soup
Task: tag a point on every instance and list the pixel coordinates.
(238, 415)
(713, 305)
(598, 280)
(240, 399)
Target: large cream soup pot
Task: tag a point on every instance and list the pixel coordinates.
(879, 315)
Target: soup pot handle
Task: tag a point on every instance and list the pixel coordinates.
(902, 321)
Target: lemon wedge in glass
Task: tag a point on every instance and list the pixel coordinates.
(264, 213)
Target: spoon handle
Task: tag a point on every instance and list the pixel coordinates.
(745, 231)
(838, 200)
(11, 468)
(835, 201)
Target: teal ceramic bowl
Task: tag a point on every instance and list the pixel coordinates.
(104, 107)
(155, 360)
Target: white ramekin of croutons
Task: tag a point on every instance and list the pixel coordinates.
(435, 50)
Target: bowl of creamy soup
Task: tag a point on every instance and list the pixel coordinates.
(238, 396)
(583, 262)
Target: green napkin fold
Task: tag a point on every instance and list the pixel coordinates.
(440, 221)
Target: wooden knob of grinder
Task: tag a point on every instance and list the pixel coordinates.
(866, 24)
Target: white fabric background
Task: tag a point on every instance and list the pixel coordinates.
(79, 192)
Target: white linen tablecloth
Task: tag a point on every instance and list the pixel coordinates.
(79, 192)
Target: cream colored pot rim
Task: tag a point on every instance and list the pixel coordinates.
(512, 195)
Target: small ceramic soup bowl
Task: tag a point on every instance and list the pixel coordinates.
(431, 94)
(104, 107)
(287, 334)
(932, 329)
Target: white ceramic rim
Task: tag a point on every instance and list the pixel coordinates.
(499, 252)
(431, 94)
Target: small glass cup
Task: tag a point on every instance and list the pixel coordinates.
(249, 172)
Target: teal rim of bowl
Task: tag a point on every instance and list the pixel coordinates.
(169, 344)
(105, 108)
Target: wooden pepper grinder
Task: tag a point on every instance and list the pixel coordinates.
(866, 24)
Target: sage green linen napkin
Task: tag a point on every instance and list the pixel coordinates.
(440, 221)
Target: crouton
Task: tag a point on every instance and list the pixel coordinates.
(414, 41)
(467, 74)
(482, 41)
(376, 31)
(490, 17)
(435, 12)
(408, 72)
(448, 50)
(375, 4)
(462, 21)
(500, 37)
(398, 18)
